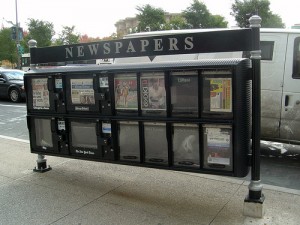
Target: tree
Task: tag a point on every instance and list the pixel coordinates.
(8, 48)
(198, 16)
(150, 18)
(67, 36)
(217, 21)
(24, 42)
(41, 31)
(176, 23)
(242, 10)
(86, 39)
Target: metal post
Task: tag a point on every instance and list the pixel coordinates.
(41, 161)
(17, 36)
(255, 198)
(32, 44)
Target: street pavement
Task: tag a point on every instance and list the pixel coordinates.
(77, 192)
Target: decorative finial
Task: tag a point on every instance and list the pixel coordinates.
(32, 43)
(255, 21)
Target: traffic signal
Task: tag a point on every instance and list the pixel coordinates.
(14, 33)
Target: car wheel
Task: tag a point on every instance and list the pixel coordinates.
(14, 95)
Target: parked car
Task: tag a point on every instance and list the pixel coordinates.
(12, 84)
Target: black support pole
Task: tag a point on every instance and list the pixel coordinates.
(255, 186)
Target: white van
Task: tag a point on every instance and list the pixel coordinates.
(280, 71)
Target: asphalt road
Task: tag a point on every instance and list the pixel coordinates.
(278, 170)
(13, 120)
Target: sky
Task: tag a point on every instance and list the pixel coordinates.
(97, 18)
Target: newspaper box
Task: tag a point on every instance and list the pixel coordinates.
(189, 116)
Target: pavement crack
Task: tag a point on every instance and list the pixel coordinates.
(84, 205)
(229, 199)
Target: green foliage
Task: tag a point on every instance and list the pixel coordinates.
(242, 10)
(8, 48)
(24, 43)
(176, 23)
(67, 36)
(41, 31)
(217, 21)
(150, 18)
(198, 16)
(274, 21)
(195, 16)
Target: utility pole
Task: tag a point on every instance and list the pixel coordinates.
(17, 36)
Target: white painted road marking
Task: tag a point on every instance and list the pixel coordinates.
(14, 139)
(16, 106)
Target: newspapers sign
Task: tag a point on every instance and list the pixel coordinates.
(187, 43)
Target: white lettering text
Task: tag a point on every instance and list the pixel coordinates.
(173, 44)
(158, 45)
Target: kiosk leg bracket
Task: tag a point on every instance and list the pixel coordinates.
(253, 203)
(41, 165)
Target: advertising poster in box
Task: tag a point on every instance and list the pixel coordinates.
(186, 145)
(40, 93)
(184, 92)
(82, 92)
(153, 93)
(218, 147)
(220, 95)
(126, 92)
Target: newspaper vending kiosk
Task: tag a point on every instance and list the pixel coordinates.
(187, 115)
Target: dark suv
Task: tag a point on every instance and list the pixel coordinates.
(12, 84)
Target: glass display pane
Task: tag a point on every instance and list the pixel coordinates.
(186, 145)
(82, 92)
(40, 93)
(218, 147)
(126, 92)
(84, 135)
(156, 145)
(153, 93)
(217, 92)
(129, 141)
(184, 93)
(43, 134)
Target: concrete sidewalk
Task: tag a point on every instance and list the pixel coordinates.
(79, 192)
